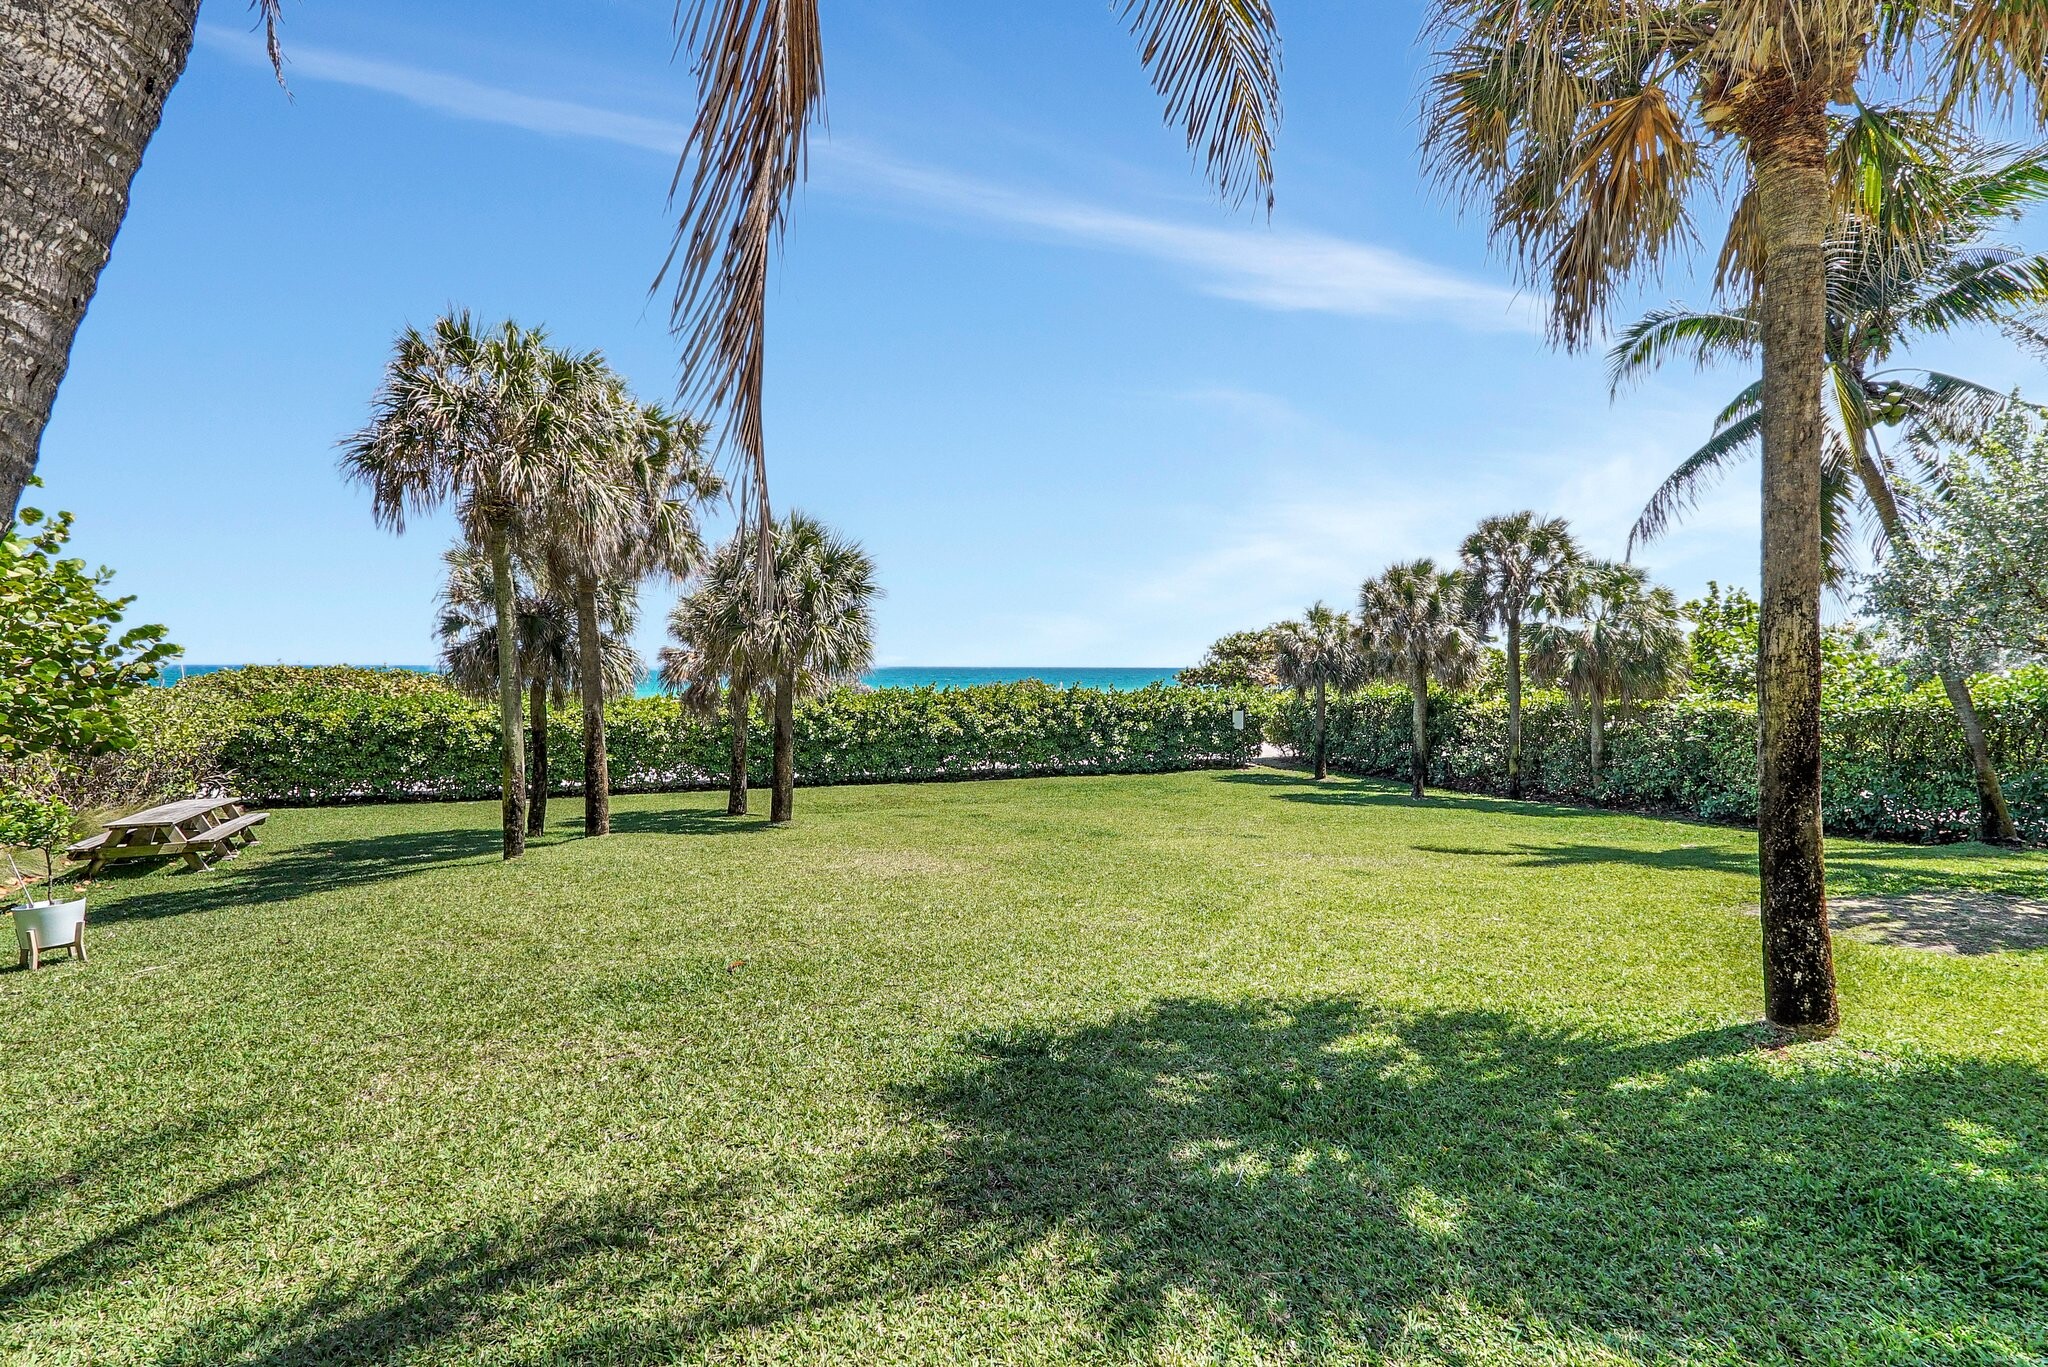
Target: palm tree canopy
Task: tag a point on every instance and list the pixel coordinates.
(1587, 127)
(760, 85)
(1511, 560)
(817, 629)
(1622, 639)
(546, 623)
(1319, 650)
(1883, 294)
(491, 421)
(1416, 618)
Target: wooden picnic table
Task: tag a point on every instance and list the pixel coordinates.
(198, 828)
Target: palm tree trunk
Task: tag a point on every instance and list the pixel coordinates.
(739, 692)
(512, 769)
(537, 729)
(597, 769)
(1418, 759)
(782, 802)
(1515, 705)
(1788, 157)
(1322, 755)
(82, 88)
(1596, 732)
(1994, 817)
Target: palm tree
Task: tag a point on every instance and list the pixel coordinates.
(627, 513)
(1623, 641)
(490, 422)
(1512, 563)
(760, 83)
(1319, 655)
(1416, 629)
(719, 655)
(1884, 295)
(818, 630)
(549, 661)
(1590, 130)
(93, 76)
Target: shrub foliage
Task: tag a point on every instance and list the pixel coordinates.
(1895, 767)
(321, 740)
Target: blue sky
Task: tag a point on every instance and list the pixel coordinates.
(1081, 413)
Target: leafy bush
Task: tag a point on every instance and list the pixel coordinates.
(1895, 767)
(300, 745)
(39, 824)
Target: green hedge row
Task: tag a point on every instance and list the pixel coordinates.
(1896, 769)
(317, 745)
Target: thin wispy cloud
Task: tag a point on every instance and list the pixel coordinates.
(1277, 269)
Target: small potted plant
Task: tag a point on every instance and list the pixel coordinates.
(28, 823)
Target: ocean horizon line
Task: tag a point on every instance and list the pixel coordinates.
(1122, 678)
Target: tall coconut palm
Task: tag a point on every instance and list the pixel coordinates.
(719, 656)
(1513, 562)
(82, 89)
(1417, 629)
(1621, 640)
(1588, 128)
(1317, 656)
(1884, 295)
(760, 82)
(627, 512)
(84, 82)
(549, 661)
(490, 422)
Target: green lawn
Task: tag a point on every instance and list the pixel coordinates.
(1214, 1068)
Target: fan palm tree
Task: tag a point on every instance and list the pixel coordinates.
(818, 631)
(1513, 562)
(719, 656)
(1318, 655)
(490, 422)
(760, 83)
(626, 513)
(1588, 129)
(1416, 628)
(1883, 296)
(93, 76)
(549, 661)
(1622, 640)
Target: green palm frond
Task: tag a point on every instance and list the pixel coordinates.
(1703, 338)
(1681, 490)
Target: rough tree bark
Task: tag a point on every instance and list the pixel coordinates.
(736, 781)
(1418, 750)
(597, 766)
(537, 731)
(82, 89)
(512, 747)
(782, 802)
(1788, 147)
(1322, 730)
(1596, 732)
(1515, 704)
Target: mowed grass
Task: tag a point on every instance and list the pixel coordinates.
(1202, 1068)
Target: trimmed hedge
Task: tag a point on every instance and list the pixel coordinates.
(305, 746)
(1896, 768)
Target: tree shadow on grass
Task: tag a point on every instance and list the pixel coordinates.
(259, 876)
(1300, 1180)
(1672, 859)
(685, 821)
(1323, 1177)
(1341, 790)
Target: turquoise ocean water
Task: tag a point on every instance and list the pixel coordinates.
(896, 676)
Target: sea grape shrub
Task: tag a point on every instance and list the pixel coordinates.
(339, 744)
(1895, 765)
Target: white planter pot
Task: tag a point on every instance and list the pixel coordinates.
(45, 925)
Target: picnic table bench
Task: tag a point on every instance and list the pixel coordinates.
(199, 829)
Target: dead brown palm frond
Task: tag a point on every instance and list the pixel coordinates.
(760, 84)
(760, 81)
(270, 13)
